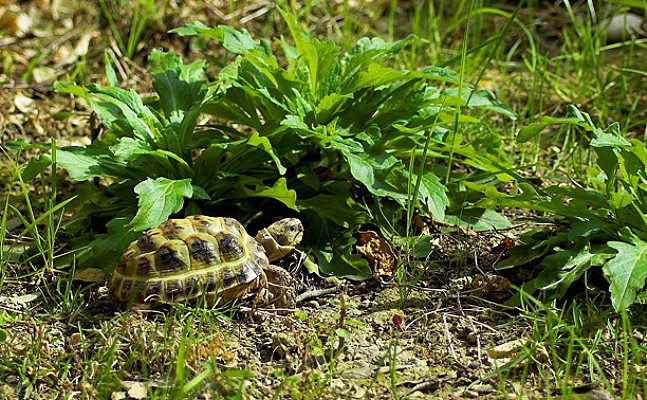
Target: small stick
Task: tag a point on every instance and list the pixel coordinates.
(310, 294)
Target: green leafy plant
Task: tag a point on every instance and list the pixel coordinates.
(601, 220)
(328, 136)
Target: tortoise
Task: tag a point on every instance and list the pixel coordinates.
(210, 257)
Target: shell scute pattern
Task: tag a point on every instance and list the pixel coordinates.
(186, 258)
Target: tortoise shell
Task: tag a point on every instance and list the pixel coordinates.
(188, 258)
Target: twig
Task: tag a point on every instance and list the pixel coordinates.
(310, 294)
(449, 339)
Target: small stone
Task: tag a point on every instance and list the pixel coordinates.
(623, 27)
(357, 373)
(471, 394)
(471, 338)
(473, 365)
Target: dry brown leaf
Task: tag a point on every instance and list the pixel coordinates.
(18, 302)
(137, 391)
(506, 352)
(493, 287)
(23, 103)
(378, 253)
(8, 23)
(90, 275)
(117, 396)
(75, 339)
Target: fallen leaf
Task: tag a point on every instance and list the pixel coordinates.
(138, 391)
(507, 352)
(18, 301)
(493, 287)
(75, 339)
(23, 103)
(117, 396)
(8, 23)
(90, 275)
(44, 74)
(378, 253)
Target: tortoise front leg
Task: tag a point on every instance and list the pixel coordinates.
(280, 288)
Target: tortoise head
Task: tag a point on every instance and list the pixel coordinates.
(281, 237)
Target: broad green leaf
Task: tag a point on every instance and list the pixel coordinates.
(110, 71)
(479, 219)
(609, 140)
(378, 47)
(582, 229)
(80, 163)
(131, 152)
(114, 104)
(199, 193)
(423, 246)
(178, 85)
(263, 143)
(72, 88)
(365, 168)
(294, 122)
(376, 75)
(320, 56)
(443, 75)
(107, 248)
(329, 106)
(158, 199)
(433, 195)
(198, 28)
(279, 191)
(638, 149)
(626, 271)
(530, 131)
(34, 167)
(334, 208)
(478, 99)
(349, 266)
(238, 42)
(563, 268)
(127, 148)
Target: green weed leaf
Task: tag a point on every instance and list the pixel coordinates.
(626, 271)
(178, 85)
(279, 191)
(530, 131)
(158, 199)
(81, 163)
(107, 248)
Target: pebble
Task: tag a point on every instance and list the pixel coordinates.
(473, 365)
(623, 26)
(471, 338)
(357, 373)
